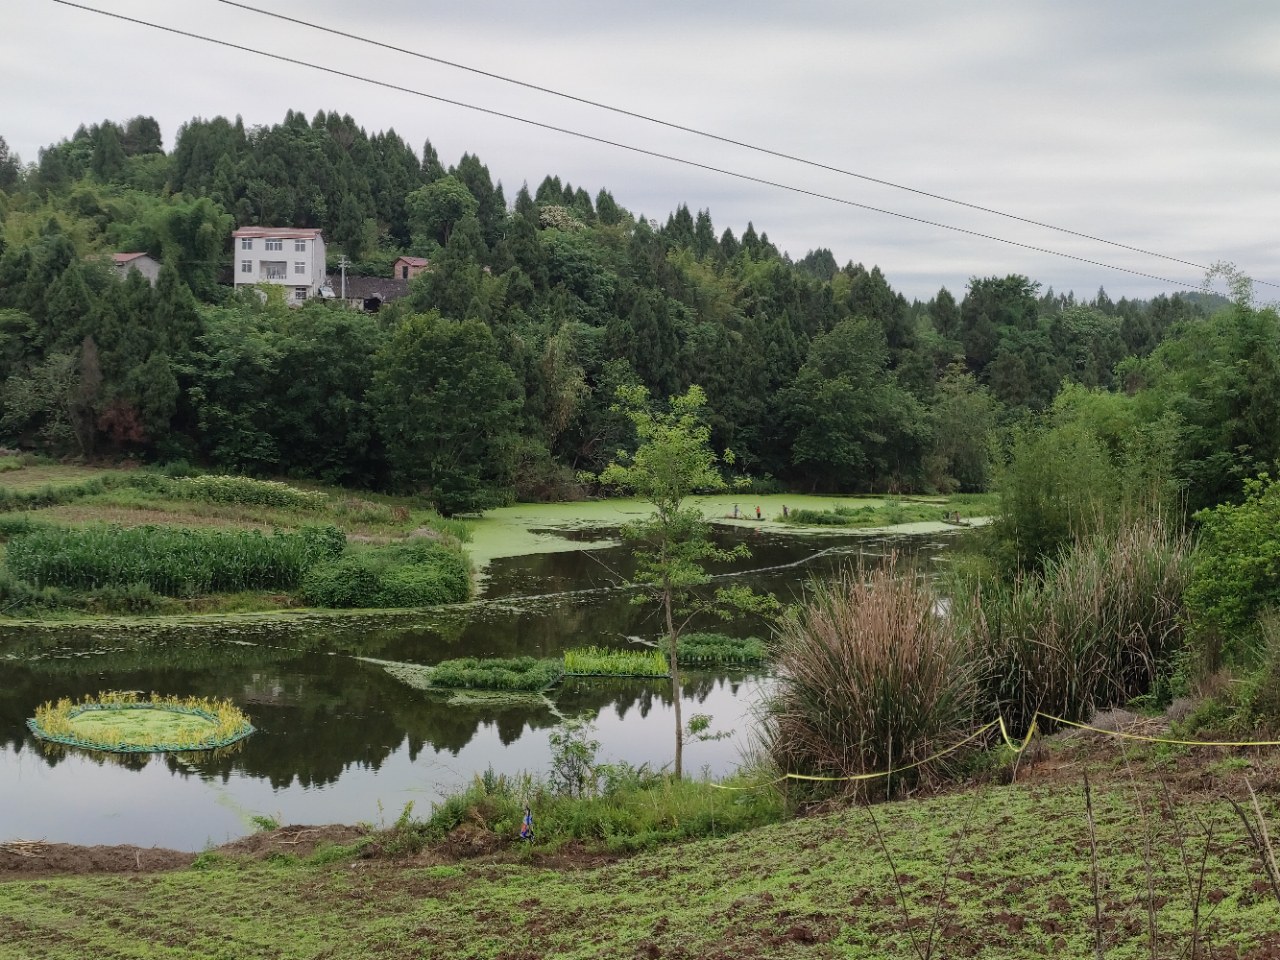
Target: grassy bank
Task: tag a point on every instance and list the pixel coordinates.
(1012, 867)
(133, 542)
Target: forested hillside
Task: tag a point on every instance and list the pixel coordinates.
(495, 375)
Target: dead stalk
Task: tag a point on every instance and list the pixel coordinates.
(946, 877)
(1148, 855)
(1093, 862)
(902, 894)
(1259, 838)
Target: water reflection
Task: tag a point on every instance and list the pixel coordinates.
(339, 738)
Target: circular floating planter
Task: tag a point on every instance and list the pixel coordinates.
(125, 723)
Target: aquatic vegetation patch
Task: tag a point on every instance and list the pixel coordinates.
(122, 722)
(420, 573)
(721, 649)
(517, 673)
(893, 512)
(603, 662)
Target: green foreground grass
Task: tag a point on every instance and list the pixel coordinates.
(1014, 864)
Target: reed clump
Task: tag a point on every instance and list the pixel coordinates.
(1095, 628)
(872, 677)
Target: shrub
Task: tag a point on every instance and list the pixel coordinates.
(13, 524)
(1262, 689)
(871, 678)
(1237, 569)
(417, 574)
(1096, 628)
(244, 490)
(820, 518)
(17, 597)
(357, 510)
(130, 598)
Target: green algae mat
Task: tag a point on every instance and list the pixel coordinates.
(125, 723)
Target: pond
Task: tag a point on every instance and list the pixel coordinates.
(340, 738)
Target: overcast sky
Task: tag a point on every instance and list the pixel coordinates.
(1150, 123)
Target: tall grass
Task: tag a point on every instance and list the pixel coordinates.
(1095, 628)
(172, 561)
(602, 662)
(871, 677)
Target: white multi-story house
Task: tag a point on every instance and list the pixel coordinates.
(283, 256)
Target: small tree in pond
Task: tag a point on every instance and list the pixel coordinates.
(673, 460)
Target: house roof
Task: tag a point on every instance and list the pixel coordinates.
(283, 232)
(414, 261)
(368, 288)
(123, 258)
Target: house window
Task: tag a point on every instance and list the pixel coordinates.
(299, 246)
(246, 266)
(246, 243)
(299, 293)
(276, 244)
(299, 267)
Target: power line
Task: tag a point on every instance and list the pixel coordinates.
(818, 165)
(622, 146)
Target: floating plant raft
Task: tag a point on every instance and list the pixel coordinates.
(604, 662)
(126, 723)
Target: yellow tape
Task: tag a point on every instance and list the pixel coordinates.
(1015, 745)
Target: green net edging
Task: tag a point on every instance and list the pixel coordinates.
(210, 743)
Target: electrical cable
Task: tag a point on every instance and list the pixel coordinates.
(622, 146)
(718, 137)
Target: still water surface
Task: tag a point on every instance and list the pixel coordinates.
(339, 738)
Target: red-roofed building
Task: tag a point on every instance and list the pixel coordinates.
(290, 257)
(406, 268)
(143, 263)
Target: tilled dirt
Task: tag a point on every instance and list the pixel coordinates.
(22, 859)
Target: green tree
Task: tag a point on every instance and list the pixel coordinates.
(1237, 568)
(963, 416)
(853, 424)
(434, 209)
(447, 408)
(673, 460)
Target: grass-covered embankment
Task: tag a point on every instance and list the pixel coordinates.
(1014, 863)
(141, 542)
